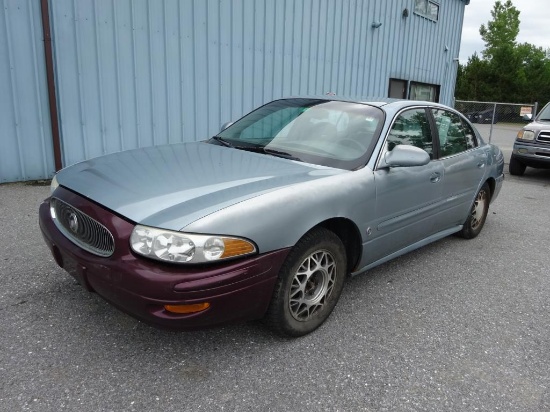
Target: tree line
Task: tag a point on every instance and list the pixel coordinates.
(506, 71)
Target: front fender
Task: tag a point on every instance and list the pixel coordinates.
(280, 218)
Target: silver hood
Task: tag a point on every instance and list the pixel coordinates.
(171, 186)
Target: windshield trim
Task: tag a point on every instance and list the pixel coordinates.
(545, 112)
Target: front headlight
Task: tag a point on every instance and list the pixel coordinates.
(53, 184)
(526, 135)
(179, 247)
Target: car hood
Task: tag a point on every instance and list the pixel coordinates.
(173, 185)
(538, 125)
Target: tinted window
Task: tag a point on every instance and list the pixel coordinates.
(398, 89)
(454, 137)
(471, 140)
(411, 127)
(544, 115)
(424, 91)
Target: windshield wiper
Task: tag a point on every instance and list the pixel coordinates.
(279, 153)
(222, 141)
(249, 148)
(256, 149)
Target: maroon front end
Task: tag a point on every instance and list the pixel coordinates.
(232, 291)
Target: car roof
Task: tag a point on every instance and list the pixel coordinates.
(386, 102)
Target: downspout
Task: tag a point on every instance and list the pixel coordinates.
(52, 99)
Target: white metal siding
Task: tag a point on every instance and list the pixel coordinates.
(25, 132)
(136, 73)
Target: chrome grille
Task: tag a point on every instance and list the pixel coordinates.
(544, 136)
(81, 229)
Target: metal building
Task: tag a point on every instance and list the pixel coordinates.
(123, 74)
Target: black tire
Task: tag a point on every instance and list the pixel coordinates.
(478, 214)
(515, 167)
(304, 296)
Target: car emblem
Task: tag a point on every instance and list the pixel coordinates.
(73, 222)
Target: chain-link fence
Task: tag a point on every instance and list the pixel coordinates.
(493, 112)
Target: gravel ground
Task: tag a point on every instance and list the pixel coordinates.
(456, 326)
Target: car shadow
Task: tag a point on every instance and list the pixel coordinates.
(533, 175)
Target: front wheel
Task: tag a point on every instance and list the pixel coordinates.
(478, 214)
(515, 167)
(309, 284)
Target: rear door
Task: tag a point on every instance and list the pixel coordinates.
(464, 164)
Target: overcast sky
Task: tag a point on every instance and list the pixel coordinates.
(534, 25)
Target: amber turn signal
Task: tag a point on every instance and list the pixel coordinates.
(192, 308)
(237, 247)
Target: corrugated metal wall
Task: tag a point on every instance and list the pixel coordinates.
(134, 73)
(25, 132)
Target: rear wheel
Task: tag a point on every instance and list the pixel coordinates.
(478, 214)
(309, 284)
(515, 167)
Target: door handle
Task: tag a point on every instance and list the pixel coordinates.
(435, 177)
(482, 160)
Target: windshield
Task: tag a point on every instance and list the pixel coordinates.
(544, 114)
(329, 133)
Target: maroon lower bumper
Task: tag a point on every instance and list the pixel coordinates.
(236, 291)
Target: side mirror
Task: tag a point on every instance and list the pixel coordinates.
(405, 156)
(225, 126)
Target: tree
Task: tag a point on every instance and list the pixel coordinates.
(534, 73)
(506, 71)
(500, 51)
(502, 31)
(472, 80)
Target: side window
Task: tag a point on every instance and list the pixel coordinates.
(452, 133)
(411, 127)
(471, 140)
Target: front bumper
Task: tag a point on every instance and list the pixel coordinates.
(498, 186)
(532, 154)
(236, 291)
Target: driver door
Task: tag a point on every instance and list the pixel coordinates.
(407, 198)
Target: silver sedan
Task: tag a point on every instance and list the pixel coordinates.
(266, 219)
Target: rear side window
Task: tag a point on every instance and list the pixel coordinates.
(455, 136)
(471, 140)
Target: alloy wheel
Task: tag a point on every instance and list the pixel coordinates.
(312, 284)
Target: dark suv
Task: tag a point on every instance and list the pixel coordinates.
(532, 145)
